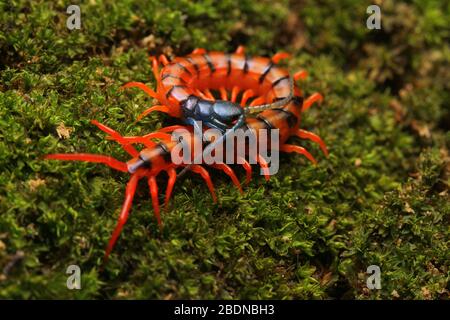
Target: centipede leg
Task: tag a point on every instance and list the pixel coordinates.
(234, 93)
(240, 50)
(114, 135)
(163, 59)
(249, 93)
(248, 169)
(175, 127)
(229, 172)
(141, 86)
(155, 201)
(302, 74)
(205, 175)
(198, 51)
(315, 97)
(276, 58)
(201, 94)
(257, 101)
(170, 184)
(161, 108)
(223, 93)
(264, 166)
(300, 150)
(155, 68)
(88, 157)
(129, 195)
(208, 94)
(144, 139)
(303, 134)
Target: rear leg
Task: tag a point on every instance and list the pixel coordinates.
(88, 157)
(123, 217)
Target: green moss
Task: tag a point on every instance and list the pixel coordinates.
(380, 198)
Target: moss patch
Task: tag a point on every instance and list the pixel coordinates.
(311, 232)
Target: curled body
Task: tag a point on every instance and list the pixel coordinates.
(155, 157)
(185, 85)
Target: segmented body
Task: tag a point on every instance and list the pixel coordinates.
(156, 155)
(195, 75)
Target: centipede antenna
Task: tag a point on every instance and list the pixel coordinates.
(276, 104)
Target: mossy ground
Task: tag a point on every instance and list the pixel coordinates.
(380, 198)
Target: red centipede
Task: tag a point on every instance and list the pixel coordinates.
(155, 157)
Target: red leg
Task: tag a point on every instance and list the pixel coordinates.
(246, 95)
(164, 109)
(223, 93)
(228, 171)
(280, 56)
(116, 136)
(302, 74)
(299, 150)
(158, 135)
(315, 97)
(155, 201)
(201, 94)
(199, 51)
(163, 59)
(257, 101)
(248, 170)
(175, 127)
(205, 175)
(145, 140)
(129, 195)
(87, 157)
(208, 94)
(303, 134)
(262, 162)
(155, 68)
(172, 178)
(234, 93)
(141, 86)
(240, 50)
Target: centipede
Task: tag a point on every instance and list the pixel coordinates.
(187, 95)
